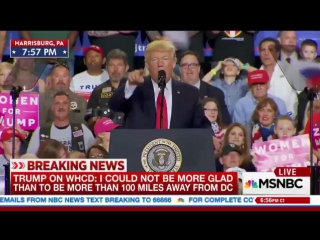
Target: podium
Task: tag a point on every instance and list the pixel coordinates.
(174, 150)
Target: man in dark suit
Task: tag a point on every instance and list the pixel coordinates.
(289, 51)
(190, 73)
(140, 100)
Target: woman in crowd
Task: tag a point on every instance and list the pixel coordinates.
(213, 113)
(283, 128)
(102, 129)
(236, 134)
(97, 152)
(229, 82)
(5, 69)
(263, 118)
(52, 149)
(26, 75)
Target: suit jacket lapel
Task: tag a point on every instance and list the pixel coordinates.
(149, 103)
(176, 102)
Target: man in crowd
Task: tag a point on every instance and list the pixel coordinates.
(117, 67)
(75, 136)
(140, 100)
(85, 82)
(72, 36)
(190, 73)
(108, 40)
(6, 144)
(288, 41)
(259, 83)
(285, 80)
(60, 82)
(195, 45)
(230, 156)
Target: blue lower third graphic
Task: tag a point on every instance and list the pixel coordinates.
(43, 52)
(221, 199)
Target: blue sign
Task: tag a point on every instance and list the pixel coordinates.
(141, 44)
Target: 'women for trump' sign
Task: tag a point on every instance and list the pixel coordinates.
(27, 111)
(290, 152)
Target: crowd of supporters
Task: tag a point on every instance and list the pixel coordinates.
(244, 101)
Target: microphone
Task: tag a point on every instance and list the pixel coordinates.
(162, 85)
(161, 79)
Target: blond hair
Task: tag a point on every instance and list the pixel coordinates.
(161, 46)
(5, 66)
(76, 155)
(28, 156)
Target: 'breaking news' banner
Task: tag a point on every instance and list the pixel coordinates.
(110, 176)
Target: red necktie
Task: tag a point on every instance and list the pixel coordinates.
(164, 113)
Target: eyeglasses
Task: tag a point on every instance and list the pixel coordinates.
(191, 65)
(62, 65)
(99, 156)
(211, 110)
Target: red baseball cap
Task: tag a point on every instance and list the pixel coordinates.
(258, 76)
(6, 135)
(104, 125)
(94, 48)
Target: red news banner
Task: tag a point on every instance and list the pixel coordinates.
(110, 176)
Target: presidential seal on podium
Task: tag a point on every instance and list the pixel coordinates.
(161, 155)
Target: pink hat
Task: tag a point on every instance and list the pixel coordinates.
(104, 125)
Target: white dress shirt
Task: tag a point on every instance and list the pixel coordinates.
(197, 85)
(280, 87)
(293, 57)
(128, 91)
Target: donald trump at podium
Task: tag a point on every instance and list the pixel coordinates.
(140, 99)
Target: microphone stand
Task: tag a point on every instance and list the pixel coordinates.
(314, 180)
(15, 92)
(162, 85)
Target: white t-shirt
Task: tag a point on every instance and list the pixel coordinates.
(280, 87)
(62, 135)
(83, 84)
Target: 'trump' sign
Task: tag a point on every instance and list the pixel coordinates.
(27, 111)
(290, 152)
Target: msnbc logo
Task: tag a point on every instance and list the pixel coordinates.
(251, 184)
(180, 200)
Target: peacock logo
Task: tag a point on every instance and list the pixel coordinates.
(251, 184)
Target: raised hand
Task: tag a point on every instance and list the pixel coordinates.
(135, 77)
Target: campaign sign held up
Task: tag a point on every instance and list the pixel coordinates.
(27, 111)
(289, 152)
